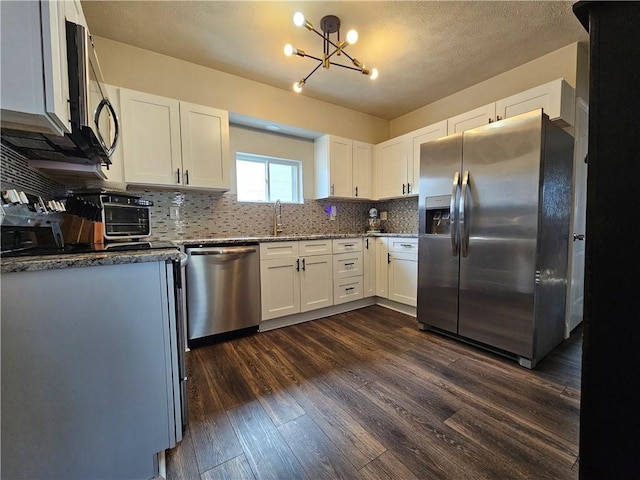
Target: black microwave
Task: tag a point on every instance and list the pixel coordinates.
(94, 123)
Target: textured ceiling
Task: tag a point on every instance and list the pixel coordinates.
(423, 50)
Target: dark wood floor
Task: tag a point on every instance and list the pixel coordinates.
(366, 395)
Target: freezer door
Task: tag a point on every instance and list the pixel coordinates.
(498, 228)
(438, 260)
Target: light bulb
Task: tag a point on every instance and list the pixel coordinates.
(374, 74)
(298, 19)
(288, 49)
(352, 37)
(297, 87)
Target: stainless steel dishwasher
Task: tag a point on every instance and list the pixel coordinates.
(223, 289)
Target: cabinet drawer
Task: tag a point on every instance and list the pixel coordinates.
(347, 265)
(347, 290)
(278, 250)
(403, 245)
(342, 245)
(314, 247)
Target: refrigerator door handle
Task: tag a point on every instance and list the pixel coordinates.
(462, 220)
(452, 214)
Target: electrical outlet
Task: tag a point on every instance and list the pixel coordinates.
(174, 212)
(383, 215)
(332, 212)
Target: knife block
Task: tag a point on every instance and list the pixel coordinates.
(76, 229)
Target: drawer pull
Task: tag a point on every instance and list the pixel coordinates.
(350, 288)
(349, 244)
(406, 245)
(349, 264)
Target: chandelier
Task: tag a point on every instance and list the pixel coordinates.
(329, 24)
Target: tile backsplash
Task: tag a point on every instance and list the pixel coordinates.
(206, 214)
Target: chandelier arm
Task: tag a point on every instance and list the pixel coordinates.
(311, 56)
(346, 66)
(312, 72)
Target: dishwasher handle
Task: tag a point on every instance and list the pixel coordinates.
(222, 251)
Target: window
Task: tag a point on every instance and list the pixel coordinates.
(267, 179)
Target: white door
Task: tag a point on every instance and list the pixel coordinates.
(392, 168)
(341, 166)
(362, 170)
(316, 282)
(382, 268)
(575, 292)
(472, 119)
(403, 278)
(369, 267)
(280, 287)
(151, 138)
(205, 146)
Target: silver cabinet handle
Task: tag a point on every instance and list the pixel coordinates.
(462, 210)
(453, 224)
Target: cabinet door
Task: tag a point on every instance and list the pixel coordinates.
(341, 166)
(392, 168)
(316, 282)
(362, 170)
(369, 267)
(151, 138)
(426, 134)
(472, 119)
(56, 75)
(382, 268)
(280, 287)
(556, 99)
(403, 278)
(205, 146)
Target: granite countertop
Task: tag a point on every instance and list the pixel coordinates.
(52, 262)
(284, 238)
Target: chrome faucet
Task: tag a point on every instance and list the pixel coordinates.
(277, 218)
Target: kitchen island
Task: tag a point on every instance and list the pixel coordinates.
(90, 378)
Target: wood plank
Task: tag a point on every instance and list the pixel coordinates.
(513, 444)
(386, 467)
(237, 468)
(267, 453)
(213, 438)
(316, 453)
(278, 404)
(182, 463)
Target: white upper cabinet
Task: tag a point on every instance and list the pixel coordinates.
(472, 119)
(150, 138)
(342, 168)
(362, 170)
(556, 98)
(398, 161)
(205, 146)
(34, 76)
(393, 167)
(172, 143)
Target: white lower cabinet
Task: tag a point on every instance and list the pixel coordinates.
(369, 267)
(382, 268)
(403, 270)
(291, 282)
(347, 290)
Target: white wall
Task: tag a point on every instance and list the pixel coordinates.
(248, 140)
(131, 67)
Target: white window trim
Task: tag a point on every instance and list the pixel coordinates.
(266, 159)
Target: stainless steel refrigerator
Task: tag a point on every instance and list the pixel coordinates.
(494, 210)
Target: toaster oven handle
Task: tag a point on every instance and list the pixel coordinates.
(106, 103)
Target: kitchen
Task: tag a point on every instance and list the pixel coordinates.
(128, 67)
